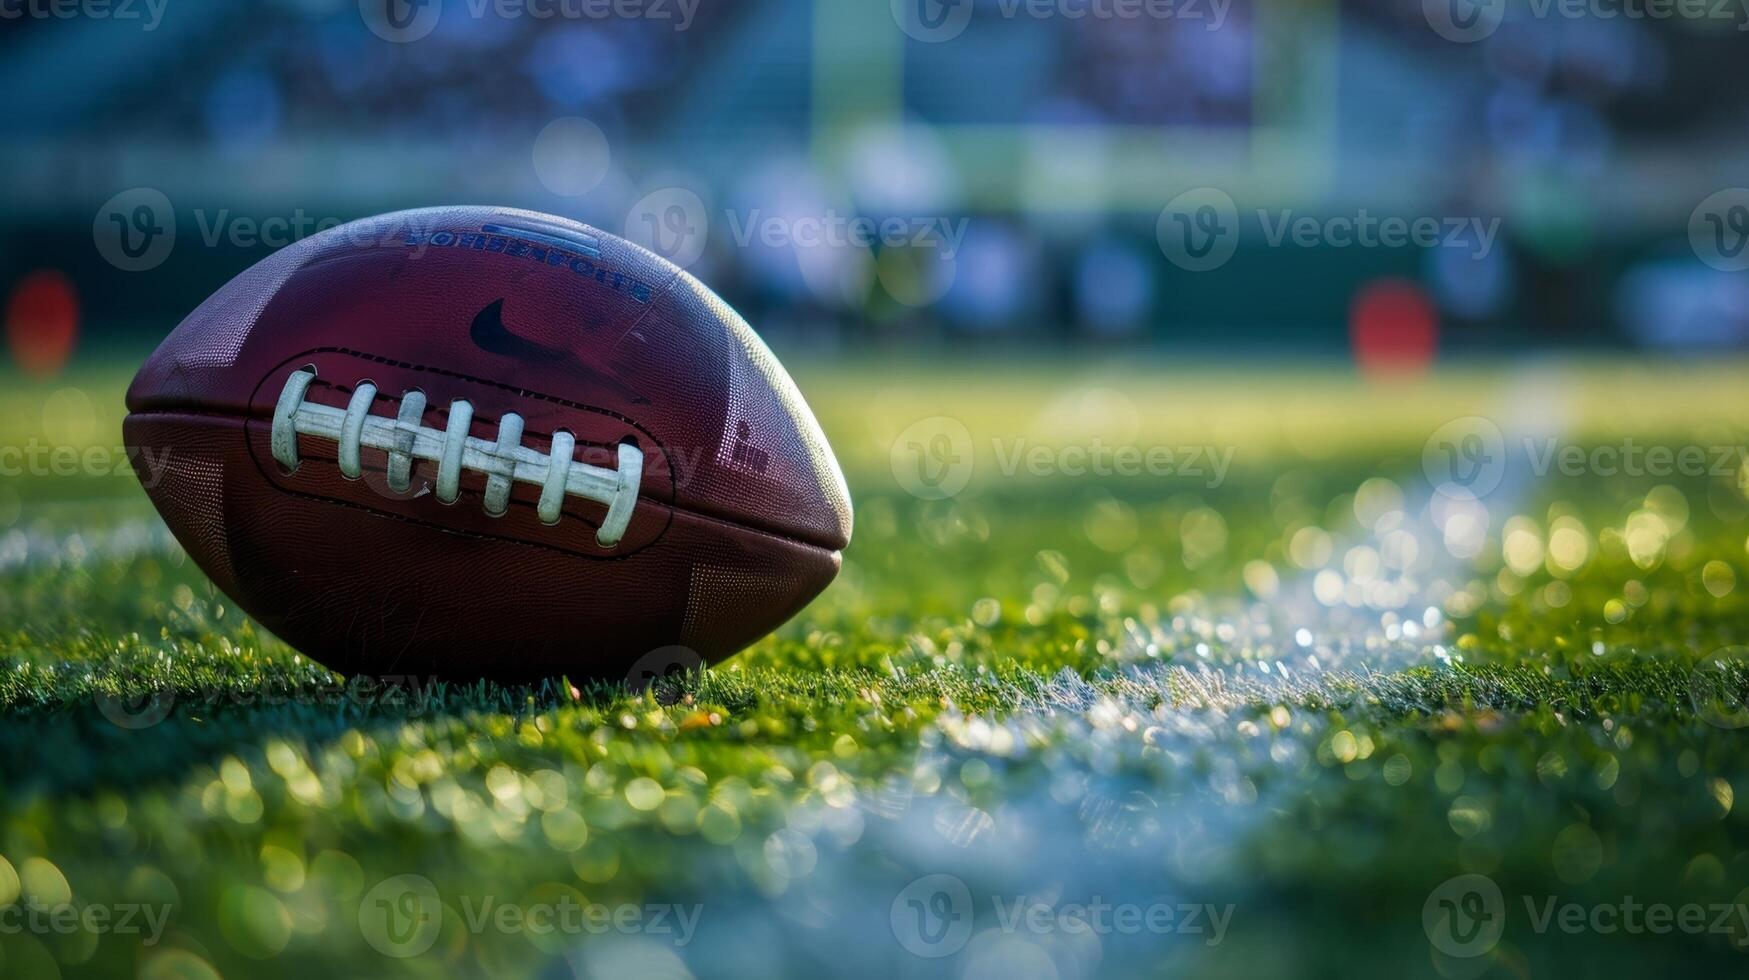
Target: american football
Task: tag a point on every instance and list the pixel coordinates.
(478, 442)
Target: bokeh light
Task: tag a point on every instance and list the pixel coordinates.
(1393, 329)
(42, 322)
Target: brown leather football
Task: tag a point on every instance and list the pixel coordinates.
(483, 442)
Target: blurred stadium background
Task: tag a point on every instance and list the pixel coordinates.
(1162, 228)
(1045, 144)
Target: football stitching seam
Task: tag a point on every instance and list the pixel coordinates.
(407, 439)
(674, 482)
(672, 508)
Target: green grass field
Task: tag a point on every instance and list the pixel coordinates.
(1063, 723)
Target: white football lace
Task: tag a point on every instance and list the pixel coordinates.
(504, 462)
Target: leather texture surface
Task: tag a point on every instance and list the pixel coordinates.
(742, 510)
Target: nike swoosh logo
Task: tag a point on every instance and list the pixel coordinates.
(491, 335)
